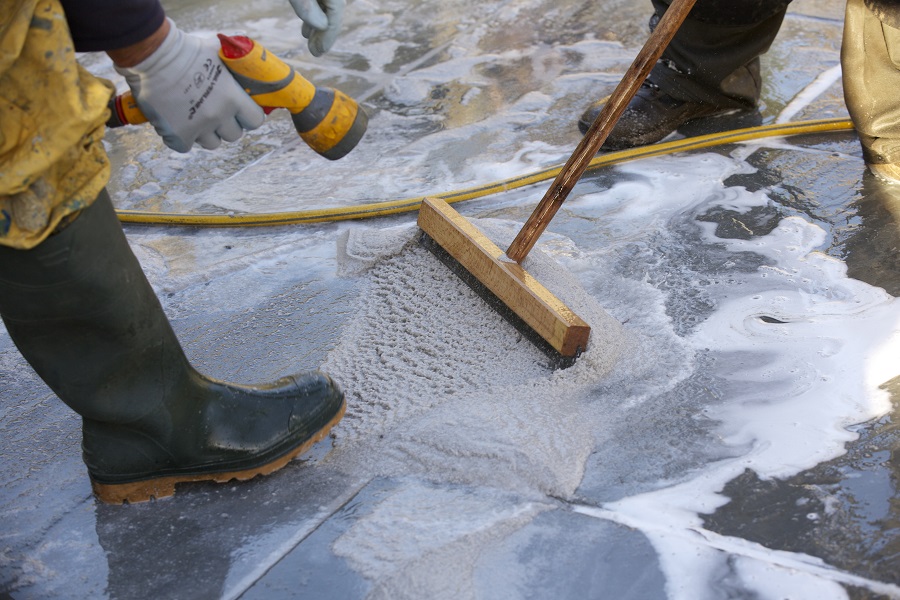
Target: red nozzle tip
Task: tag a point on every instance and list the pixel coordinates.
(235, 46)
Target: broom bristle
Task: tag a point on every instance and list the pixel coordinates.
(556, 360)
(505, 285)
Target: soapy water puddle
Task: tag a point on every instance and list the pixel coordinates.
(715, 355)
(763, 361)
(726, 342)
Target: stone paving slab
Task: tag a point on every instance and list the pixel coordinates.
(303, 532)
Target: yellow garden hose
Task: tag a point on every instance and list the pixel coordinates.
(381, 209)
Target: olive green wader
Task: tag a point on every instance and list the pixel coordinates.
(79, 308)
(870, 59)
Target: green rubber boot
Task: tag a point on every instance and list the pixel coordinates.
(82, 313)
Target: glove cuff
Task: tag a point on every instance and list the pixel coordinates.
(168, 52)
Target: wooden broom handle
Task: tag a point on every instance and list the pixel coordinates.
(599, 130)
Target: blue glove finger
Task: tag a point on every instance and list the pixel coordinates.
(320, 42)
(316, 47)
(324, 41)
(310, 12)
(321, 33)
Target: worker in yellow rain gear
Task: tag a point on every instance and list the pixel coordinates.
(72, 295)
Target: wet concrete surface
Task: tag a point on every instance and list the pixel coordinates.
(287, 535)
(846, 509)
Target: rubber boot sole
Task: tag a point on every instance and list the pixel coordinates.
(163, 487)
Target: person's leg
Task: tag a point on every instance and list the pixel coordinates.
(872, 250)
(84, 316)
(711, 67)
(870, 60)
(79, 308)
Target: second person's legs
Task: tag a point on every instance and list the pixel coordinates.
(711, 67)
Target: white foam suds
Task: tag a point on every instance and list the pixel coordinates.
(478, 403)
(823, 344)
(441, 387)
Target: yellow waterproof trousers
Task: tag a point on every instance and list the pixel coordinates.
(52, 116)
(870, 58)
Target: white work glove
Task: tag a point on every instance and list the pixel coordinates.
(188, 94)
(321, 22)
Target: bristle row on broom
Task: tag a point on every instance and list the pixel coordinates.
(504, 284)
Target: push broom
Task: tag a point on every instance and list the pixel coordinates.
(498, 276)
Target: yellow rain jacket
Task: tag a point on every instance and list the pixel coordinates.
(52, 117)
